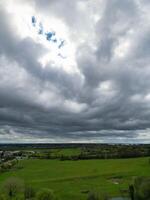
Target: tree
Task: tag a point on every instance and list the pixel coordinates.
(45, 194)
(13, 186)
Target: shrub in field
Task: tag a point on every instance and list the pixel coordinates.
(145, 190)
(45, 194)
(92, 196)
(131, 191)
(6, 165)
(29, 192)
(140, 189)
(13, 186)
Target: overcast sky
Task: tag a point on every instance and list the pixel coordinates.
(75, 71)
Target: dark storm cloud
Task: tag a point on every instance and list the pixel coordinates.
(107, 100)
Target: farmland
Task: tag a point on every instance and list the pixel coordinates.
(74, 179)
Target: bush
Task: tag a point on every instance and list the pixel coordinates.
(131, 191)
(140, 189)
(6, 165)
(92, 196)
(29, 192)
(144, 190)
(45, 194)
(13, 186)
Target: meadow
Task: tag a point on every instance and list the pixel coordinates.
(72, 180)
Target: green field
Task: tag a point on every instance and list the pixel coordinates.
(73, 179)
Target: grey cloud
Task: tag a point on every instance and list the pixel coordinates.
(107, 101)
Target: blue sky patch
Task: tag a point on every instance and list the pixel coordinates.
(33, 21)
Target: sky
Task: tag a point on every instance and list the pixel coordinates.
(75, 71)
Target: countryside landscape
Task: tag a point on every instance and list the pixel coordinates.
(74, 99)
(76, 171)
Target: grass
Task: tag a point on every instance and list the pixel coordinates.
(72, 179)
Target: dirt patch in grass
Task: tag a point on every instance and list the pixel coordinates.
(116, 179)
